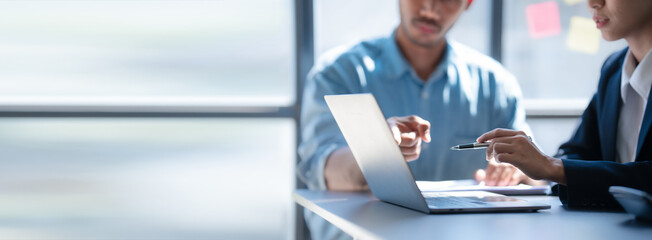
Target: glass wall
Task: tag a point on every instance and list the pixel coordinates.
(220, 50)
(144, 178)
(555, 51)
(116, 177)
(544, 60)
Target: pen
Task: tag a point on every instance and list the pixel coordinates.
(471, 146)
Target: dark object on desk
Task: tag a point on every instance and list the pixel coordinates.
(634, 201)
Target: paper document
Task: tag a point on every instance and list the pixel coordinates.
(472, 185)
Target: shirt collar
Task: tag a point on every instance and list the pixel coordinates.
(639, 77)
(397, 65)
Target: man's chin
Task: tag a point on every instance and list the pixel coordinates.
(429, 42)
(422, 39)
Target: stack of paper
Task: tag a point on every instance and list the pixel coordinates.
(472, 185)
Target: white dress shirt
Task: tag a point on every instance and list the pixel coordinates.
(636, 80)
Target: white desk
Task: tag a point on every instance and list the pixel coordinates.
(362, 216)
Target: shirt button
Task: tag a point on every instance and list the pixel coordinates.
(425, 95)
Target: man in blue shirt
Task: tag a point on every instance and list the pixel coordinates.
(438, 92)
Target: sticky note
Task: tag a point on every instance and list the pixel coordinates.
(543, 19)
(573, 2)
(583, 36)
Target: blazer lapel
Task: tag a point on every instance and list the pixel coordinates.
(645, 126)
(610, 115)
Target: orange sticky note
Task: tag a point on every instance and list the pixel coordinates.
(543, 19)
(583, 36)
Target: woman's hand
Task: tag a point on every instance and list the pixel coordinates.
(515, 147)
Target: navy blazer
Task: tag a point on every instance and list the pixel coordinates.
(589, 157)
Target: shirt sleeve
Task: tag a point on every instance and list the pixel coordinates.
(320, 135)
(588, 182)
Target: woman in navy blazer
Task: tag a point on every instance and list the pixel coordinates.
(592, 160)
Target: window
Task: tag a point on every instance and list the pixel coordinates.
(218, 52)
(100, 136)
(557, 80)
(545, 66)
(146, 178)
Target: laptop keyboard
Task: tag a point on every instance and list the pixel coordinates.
(445, 201)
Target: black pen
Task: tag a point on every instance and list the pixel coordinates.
(471, 146)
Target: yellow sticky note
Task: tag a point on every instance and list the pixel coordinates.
(583, 36)
(573, 2)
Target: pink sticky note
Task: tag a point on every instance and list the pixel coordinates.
(543, 19)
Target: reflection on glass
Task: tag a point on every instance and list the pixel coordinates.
(146, 178)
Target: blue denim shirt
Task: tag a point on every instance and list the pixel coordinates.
(467, 95)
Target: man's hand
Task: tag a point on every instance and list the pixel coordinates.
(408, 133)
(500, 174)
(514, 147)
(342, 172)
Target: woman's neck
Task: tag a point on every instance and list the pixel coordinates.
(640, 43)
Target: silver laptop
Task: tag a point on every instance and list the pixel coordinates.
(366, 131)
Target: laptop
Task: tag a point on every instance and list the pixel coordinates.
(389, 177)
